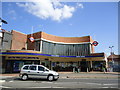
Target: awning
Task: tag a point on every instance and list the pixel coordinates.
(18, 55)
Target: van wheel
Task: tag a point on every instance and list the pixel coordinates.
(50, 78)
(24, 77)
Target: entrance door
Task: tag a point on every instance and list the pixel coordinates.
(32, 72)
(17, 66)
(9, 68)
(83, 65)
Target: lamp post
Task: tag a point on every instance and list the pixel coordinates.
(111, 51)
(2, 21)
(111, 47)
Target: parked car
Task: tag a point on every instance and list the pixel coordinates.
(37, 71)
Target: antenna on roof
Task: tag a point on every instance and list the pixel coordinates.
(94, 37)
(32, 31)
(31, 37)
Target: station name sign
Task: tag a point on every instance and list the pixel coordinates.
(40, 54)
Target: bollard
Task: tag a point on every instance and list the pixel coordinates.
(78, 70)
(73, 69)
(87, 69)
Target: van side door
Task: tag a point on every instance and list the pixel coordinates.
(41, 72)
(32, 72)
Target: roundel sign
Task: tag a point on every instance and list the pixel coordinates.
(95, 43)
(32, 39)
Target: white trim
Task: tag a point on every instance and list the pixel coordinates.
(91, 48)
(1, 34)
(61, 42)
(40, 46)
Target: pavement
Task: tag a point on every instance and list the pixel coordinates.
(75, 75)
(89, 75)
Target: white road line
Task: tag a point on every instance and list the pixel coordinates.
(1, 81)
(103, 84)
(10, 81)
(46, 82)
(46, 87)
(4, 87)
(76, 83)
(94, 83)
(58, 87)
(106, 87)
(111, 84)
(40, 87)
(66, 83)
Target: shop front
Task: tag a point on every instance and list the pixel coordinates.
(14, 60)
(14, 66)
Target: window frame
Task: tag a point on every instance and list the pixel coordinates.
(32, 66)
(41, 67)
(26, 66)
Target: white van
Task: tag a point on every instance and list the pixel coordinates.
(37, 71)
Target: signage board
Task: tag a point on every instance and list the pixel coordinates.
(32, 39)
(95, 43)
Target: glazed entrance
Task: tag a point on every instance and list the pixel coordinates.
(81, 66)
(15, 66)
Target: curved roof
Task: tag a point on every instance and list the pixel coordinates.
(54, 38)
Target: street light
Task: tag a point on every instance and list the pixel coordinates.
(112, 55)
(5, 22)
(2, 21)
(111, 51)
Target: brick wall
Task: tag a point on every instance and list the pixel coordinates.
(18, 40)
(49, 37)
(31, 45)
(66, 39)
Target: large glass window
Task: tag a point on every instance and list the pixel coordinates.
(37, 45)
(26, 68)
(33, 68)
(41, 68)
(65, 49)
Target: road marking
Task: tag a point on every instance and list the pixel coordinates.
(46, 82)
(32, 87)
(10, 81)
(45, 87)
(66, 82)
(110, 84)
(94, 83)
(106, 87)
(1, 81)
(40, 87)
(4, 87)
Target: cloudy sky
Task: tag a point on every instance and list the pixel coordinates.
(66, 19)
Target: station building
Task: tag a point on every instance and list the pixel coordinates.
(55, 52)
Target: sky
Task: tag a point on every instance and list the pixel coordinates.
(66, 19)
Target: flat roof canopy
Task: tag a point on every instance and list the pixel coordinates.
(33, 55)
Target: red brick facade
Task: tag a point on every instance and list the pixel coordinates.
(18, 40)
(66, 39)
(54, 38)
